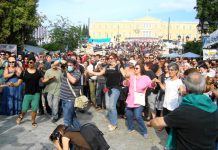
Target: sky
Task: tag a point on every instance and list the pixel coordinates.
(78, 11)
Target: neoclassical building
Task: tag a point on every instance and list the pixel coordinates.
(146, 27)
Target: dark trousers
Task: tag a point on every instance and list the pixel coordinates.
(165, 112)
(100, 96)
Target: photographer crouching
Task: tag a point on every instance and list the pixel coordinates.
(64, 138)
(71, 77)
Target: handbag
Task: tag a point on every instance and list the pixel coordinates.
(80, 101)
(139, 98)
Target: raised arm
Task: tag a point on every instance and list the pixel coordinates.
(91, 73)
(123, 72)
(162, 86)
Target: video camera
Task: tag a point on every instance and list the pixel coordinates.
(55, 135)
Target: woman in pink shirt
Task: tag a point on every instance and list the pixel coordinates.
(142, 83)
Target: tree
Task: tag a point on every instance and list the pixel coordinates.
(63, 35)
(193, 46)
(18, 19)
(207, 10)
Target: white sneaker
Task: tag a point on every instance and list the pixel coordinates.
(145, 135)
(109, 126)
(112, 128)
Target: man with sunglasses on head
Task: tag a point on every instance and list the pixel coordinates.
(31, 77)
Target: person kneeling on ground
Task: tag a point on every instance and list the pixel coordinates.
(64, 138)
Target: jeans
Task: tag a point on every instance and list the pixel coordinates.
(100, 94)
(70, 114)
(111, 102)
(137, 112)
(53, 102)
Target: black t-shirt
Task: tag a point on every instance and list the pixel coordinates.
(195, 129)
(151, 75)
(113, 76)
(31, 81)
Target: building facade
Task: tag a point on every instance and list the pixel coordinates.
(41, 35)
(144, 28)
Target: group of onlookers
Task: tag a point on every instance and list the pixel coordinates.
(110, 82)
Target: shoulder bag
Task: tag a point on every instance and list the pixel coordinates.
(80, 101)
(139, 98)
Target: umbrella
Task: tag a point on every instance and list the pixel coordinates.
(190, 55)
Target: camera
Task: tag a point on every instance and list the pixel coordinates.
(63, 66)
(55, 135)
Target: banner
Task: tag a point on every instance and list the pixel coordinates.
(211, 40)
(103, 40)
(210, 54)
(9, 48)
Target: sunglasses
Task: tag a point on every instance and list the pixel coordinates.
(11, 62)
(30, 62)
(136, 68)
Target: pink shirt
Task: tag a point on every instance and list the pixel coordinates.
(142, 83)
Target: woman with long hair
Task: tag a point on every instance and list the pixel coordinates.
(113, 73)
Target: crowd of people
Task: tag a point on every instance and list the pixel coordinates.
(111, 83)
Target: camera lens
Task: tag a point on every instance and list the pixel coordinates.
(63, 66)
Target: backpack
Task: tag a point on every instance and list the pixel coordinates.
(94, 137)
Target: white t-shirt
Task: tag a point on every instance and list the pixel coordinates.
(172, 98)
(91, 68)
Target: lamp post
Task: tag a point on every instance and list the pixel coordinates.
(202, 29)
(179, 37)
(187, 38)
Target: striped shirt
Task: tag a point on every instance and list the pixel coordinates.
(66, 93)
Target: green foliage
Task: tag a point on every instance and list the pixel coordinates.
(193, 46)
(64, 36)
(18, 20)
(51, 46)
(207, 10)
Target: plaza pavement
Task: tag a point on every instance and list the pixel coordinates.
(24, 137)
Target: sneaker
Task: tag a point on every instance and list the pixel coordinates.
(112, 128)
(145, 135)
(131, 131)
(109, 126)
